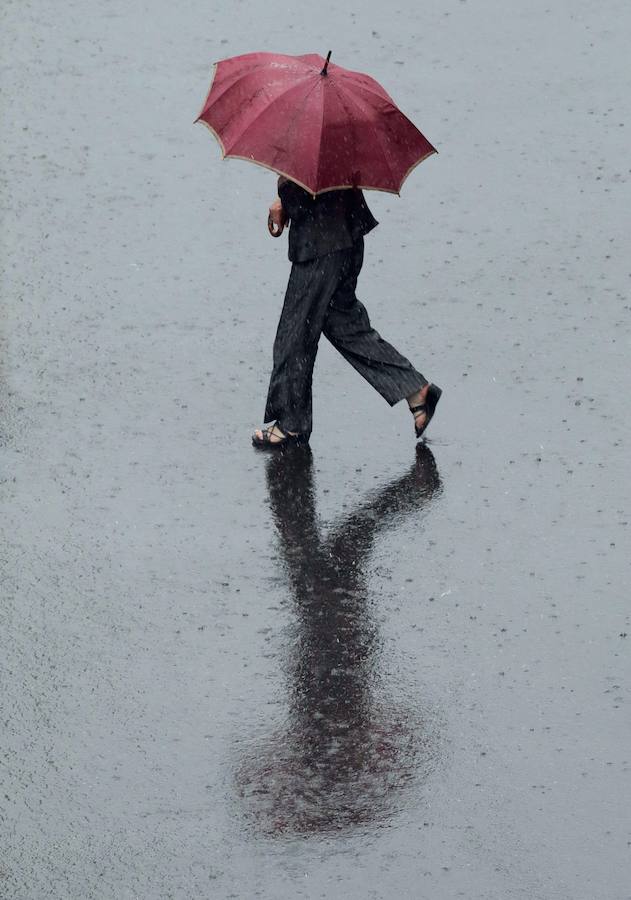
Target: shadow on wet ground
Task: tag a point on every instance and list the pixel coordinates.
(344, 755)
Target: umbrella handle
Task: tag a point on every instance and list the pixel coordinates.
(271, 226)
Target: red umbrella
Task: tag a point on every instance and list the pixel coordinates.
(320, 125)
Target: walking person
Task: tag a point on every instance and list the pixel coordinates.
(328, 132)
(326, 248)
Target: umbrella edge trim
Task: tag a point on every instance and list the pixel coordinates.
(208, 92)
(214, 133)
(272, 169)
(417, 163)
(336, 187)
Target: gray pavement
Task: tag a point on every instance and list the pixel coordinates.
(366, 673)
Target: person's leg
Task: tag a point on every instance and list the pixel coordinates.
(309, 291)
(347, 327)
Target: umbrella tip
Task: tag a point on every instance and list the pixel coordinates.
(326, 64)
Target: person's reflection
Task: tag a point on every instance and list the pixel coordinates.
(346, 751)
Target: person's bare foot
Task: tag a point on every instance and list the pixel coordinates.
(416, 399)
(272, 435)
(274, 432)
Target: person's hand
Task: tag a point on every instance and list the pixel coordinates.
(276, 219)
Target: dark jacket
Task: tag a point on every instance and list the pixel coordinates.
(319, 225)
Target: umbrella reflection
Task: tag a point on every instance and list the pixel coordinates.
(347, 750)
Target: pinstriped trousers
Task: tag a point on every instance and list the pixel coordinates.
(321, 299)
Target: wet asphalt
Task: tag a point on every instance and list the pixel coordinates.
(363, 670)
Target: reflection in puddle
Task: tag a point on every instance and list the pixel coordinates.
(345, 753)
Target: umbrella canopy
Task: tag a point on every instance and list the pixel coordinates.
(318, 124)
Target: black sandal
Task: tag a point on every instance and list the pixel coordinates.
(266, 442)
(428, 408)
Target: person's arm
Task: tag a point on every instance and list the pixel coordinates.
(294, 202)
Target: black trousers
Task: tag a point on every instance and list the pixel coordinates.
(321, 298)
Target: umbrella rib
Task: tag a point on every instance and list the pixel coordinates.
(374, 131)
(299, 110)
(341, 98)
(266, 109)
(362, 87)
(319, 158)
(233, 78)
